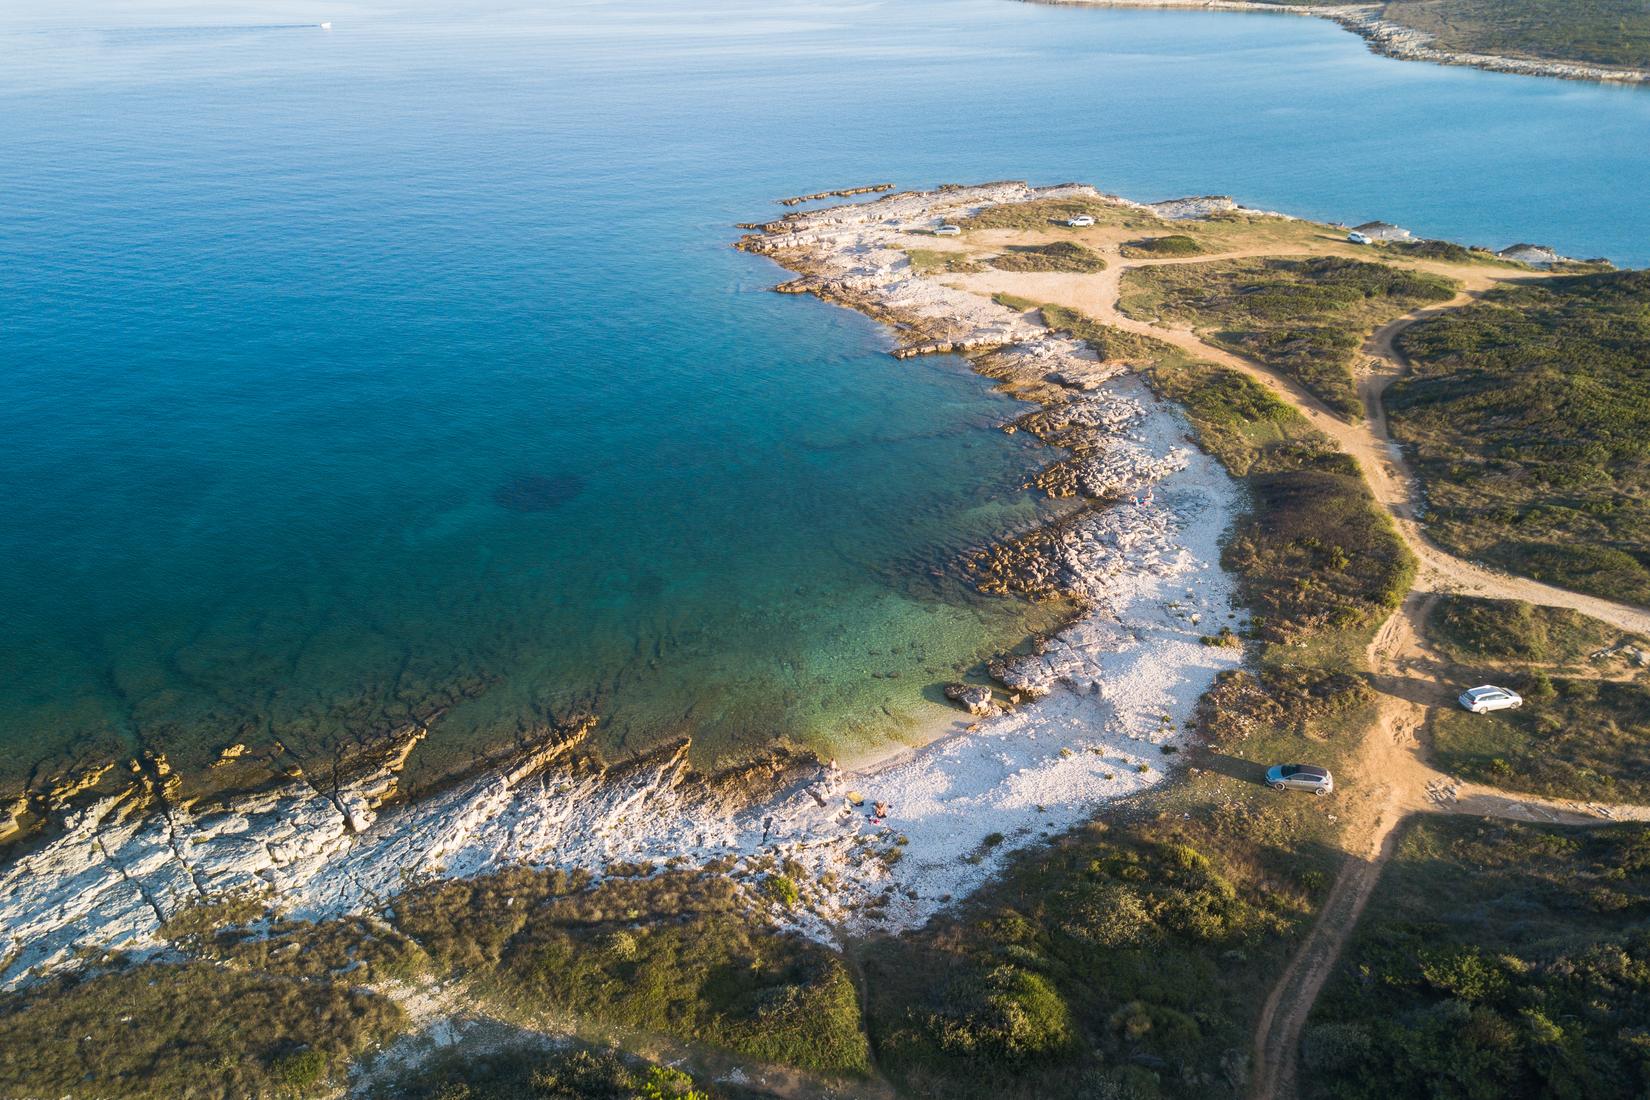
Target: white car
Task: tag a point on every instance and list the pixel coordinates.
(1482, 700)
(1081, 221)
(1358, 238)
(948, 231)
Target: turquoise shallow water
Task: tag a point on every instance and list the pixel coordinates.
(351, 373)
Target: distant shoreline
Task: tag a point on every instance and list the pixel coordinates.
(1391, 39)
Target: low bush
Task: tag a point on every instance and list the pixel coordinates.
(1068, 256)
(1471, 629)
(1580, 738)
(196, 1029)
(1175, 244)
(1110, 956)
(676, 954)
(1304, 318)
(1494, 960)
(1528, 414)
(932, 261)
(534, 1072)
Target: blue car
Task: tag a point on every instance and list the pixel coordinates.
(1300, 777)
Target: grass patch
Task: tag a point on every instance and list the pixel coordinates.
(1066, 256)
(1043, 213)
(1237, 419)
(1448, 251)
(163, 1030)
(1111, 344)
(1474, 630)
(1303, 318)
(677, 954)
(534, 1073)
(1572, 738)
(1495, 959)
(1013, 301)
(1120, 959)
(1529, 418)
(934, 261)
(1151, 248)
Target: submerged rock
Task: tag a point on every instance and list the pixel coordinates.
(538, 492)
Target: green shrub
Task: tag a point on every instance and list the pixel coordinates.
(1482, 967)
(159, 1029)
(1305, 318)
(678, 954)
(1175, 244)
(1529, 417)
(1066, 256)
(1601, 32)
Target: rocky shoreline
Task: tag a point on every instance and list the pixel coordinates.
(879, 849)
(1392, 39)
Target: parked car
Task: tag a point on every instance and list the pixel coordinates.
(1081, 221)
(1358, 238)
(1300, 777)
(948, 231)
(1482, 700)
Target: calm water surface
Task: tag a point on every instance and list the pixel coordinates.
(349, 375)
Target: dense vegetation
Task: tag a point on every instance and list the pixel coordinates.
(674, 953)
(186, 1030)
(1120, 962)
(533, 1072)
(1317, 554)
(1529, 417)
(1494, 960)
(1602, 32)
(282, 1011)
(1304, 318)
(1477, 631)
(1058, 256)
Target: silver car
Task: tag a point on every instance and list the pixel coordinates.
(1300, 777)
(1488, 697)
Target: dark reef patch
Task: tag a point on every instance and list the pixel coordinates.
(538, 492)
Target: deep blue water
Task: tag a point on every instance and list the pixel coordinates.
(348, 372)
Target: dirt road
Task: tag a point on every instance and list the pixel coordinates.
(1393, 779)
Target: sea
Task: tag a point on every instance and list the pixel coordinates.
(402, 371)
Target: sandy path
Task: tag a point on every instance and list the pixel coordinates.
(1393, 780)
(1388, 474)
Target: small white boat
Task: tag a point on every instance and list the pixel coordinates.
(326, 26)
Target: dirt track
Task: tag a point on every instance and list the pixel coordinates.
(1393, 779)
